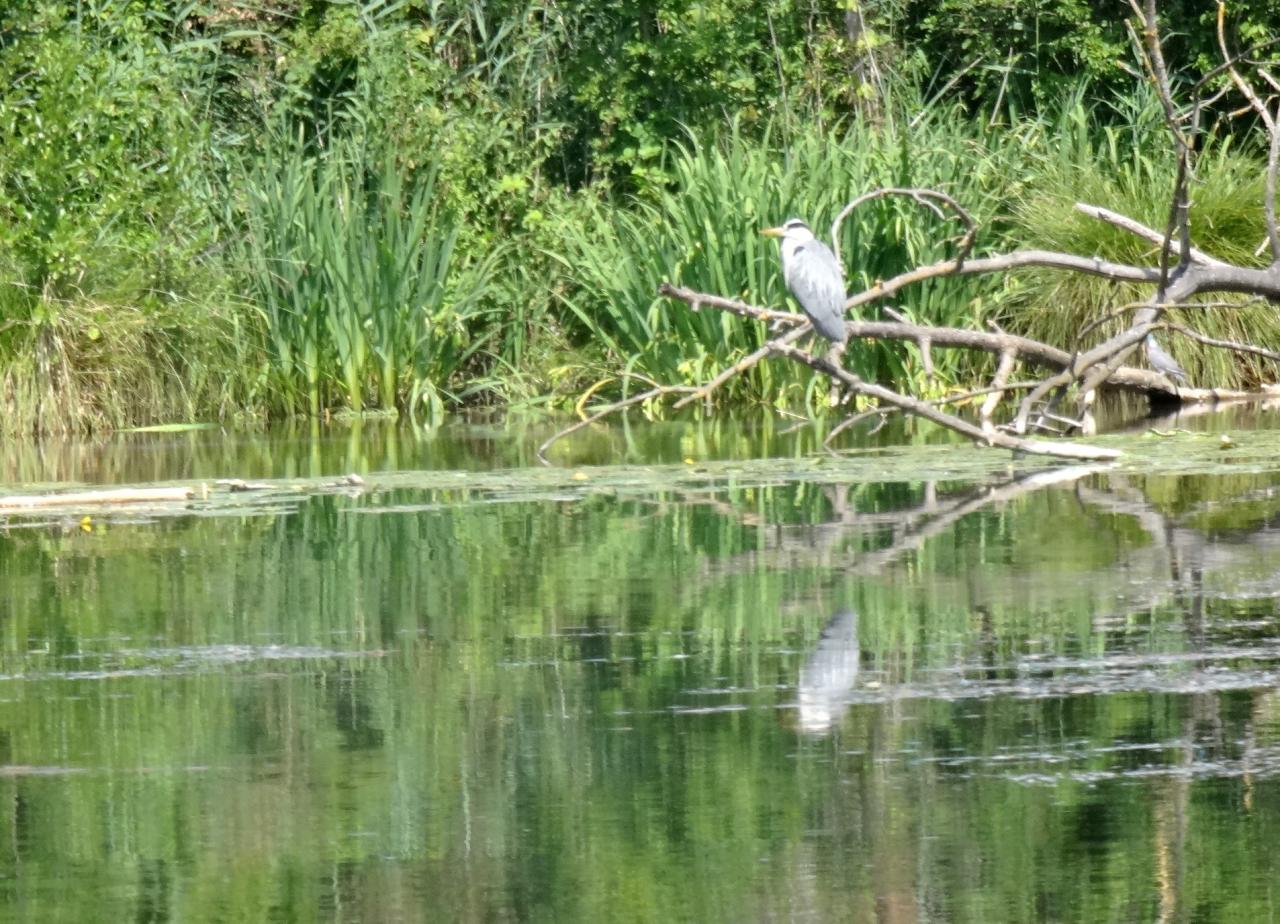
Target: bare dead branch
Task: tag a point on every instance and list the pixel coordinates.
(1018, 259)
(1267, 78)
(699, 300)
(929, 198)
(926, 357)
(997, 342)
(1136, 228)
(1003, 370)
(1153, 57)
(741, 366)
(958, 397)
(1246, 89)
(1225, 344)
(950, 421)
(854, 420)
(1122, 310)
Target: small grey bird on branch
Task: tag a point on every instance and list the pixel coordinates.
(1162, 362)
(813, 274)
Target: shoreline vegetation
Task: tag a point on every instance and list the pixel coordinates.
(214, 211)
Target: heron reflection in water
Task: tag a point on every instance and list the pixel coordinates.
(829, 674)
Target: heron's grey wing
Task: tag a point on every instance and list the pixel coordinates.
(816, 280)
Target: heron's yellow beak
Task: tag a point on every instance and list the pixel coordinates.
(772, 232)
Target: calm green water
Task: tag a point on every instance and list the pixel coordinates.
(863, 691)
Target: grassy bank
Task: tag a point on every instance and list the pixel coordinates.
(344, 209)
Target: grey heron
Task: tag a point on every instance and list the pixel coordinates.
(1162, 362)
(813, 274)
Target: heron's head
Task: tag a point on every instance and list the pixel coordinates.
(793, 228)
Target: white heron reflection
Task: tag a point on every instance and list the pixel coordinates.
(829, 673)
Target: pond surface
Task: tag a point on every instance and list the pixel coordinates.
(928, 685)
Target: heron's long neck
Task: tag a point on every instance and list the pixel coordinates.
(792, 245)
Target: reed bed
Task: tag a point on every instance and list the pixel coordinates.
(352, 267)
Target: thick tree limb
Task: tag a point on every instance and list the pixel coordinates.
(1040, 354)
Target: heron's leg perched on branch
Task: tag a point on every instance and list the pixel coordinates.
(835, 356)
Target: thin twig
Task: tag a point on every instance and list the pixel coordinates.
(1231, 345)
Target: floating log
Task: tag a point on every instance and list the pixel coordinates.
(93, 498)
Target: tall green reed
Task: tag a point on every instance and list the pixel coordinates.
(352, 266)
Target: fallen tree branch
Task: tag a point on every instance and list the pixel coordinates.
(995, 390)
(997, 342)
(950, 421)
(1225, 344)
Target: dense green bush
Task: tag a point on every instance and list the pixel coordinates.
(1026, 54)
(101, 185)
